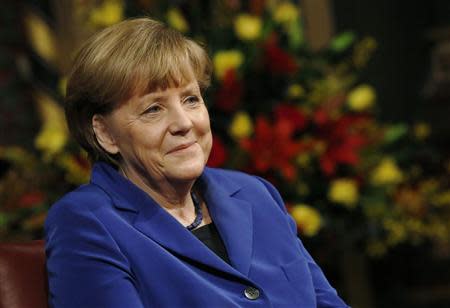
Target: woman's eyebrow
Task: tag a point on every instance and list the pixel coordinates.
(191, 89)
(153, 97)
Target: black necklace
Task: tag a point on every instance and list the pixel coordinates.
(198, 213)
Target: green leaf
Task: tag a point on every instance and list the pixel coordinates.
(395, 132)
(295, 34)
(342, 41)
(3, 219)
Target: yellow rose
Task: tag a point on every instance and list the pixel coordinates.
(441, 199)
(53, 135)
(302, 189)
(75, 172)
(177, 21)
(17, 155)
(439, 230)
(363, 50)
(320, 147)
(50, 140)
(303, 160)
(107, 14)
(241, 125)
(285, 12)
(361, 98)
(225, 60)
(41, 37)
(344, 191)
(62, 86)
(36, 221)
(387, 172)
(248, 27)
(308, 219)
(415, 225)
(429, 186)
(376, 248)
(296, 91)
(396, 232)
(421, 130)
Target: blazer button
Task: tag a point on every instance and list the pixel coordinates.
(251, 293)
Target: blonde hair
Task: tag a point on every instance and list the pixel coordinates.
(133, 57)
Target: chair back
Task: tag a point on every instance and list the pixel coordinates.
(23, 276)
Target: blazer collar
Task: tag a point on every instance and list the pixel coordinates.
(124, 193)
(232, 216)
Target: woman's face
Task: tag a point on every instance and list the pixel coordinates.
(164, 135)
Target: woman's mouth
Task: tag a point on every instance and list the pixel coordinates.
(181, 147)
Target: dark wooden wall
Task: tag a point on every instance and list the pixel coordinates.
(407, 33)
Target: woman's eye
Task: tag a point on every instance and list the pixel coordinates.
(152, 109)
(192, 100)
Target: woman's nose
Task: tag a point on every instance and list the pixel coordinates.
(180, 121)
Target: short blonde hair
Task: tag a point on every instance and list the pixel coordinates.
(133, 57)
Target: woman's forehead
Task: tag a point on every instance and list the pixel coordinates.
(169, 85)
(171, 78)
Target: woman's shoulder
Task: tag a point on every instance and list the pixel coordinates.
(81, 201)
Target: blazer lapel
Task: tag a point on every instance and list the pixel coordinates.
(169, 233)
(232, 216)
(154, 222)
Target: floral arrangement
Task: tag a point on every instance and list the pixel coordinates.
(297, 117)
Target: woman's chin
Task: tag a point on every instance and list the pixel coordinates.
(186, 171)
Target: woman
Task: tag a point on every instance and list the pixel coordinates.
(155, 227)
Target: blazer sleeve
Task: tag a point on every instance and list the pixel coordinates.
(326, 295)
(85, 266)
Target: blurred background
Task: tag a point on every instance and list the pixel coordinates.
(343, 105)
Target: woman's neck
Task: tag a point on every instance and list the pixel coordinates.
(174, 197)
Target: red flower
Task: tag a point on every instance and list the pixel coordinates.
(321, 117)
(344, 138)
(273, 147)
(277, 60)
(230, 92)
(218, 154)
(83, 162)
(292, 114)
(31, 199)
(257, 6)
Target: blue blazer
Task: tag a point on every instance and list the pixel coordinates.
(109, 244)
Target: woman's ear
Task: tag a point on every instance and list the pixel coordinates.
(103, 134)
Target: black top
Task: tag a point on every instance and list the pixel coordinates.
(209, 235)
